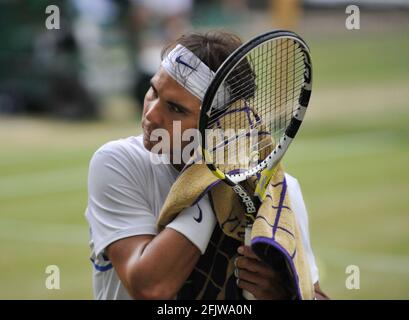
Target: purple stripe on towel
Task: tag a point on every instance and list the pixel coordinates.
(280, 206)
(277, 184)
(281, 228)
(285, 207)
(293, 255)
(286, 230)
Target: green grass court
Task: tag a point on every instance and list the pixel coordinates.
(351, 159)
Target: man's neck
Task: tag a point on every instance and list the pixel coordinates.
(178, 167)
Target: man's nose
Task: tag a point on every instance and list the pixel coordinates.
(154, 114)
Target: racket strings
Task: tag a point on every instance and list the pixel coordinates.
(234, 142)
(245, 77)
(297, 85)
(237, 138)
(299, 68)
(245, 69)
(255, 125)
(261, 94)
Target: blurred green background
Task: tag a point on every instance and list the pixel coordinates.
(350, 158)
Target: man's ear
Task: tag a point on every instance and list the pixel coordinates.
(319, 294)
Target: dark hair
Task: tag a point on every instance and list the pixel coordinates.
(212, 47)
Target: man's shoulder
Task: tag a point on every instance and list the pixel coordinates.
(122, 154)
(132, 144)
(130, 149)
(128, 154)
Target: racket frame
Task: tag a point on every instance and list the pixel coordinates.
(268, 164)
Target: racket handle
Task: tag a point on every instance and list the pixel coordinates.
(247, 241)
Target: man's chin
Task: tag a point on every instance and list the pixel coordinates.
(148, 144)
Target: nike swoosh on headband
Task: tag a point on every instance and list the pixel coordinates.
(179, 60)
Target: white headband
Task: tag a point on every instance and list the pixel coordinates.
(189, 71)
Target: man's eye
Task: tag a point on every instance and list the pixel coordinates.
(175, 108)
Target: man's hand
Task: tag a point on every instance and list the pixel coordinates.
(258, 278)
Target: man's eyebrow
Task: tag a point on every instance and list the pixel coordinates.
(173, 104)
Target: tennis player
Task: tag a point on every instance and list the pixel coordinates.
(126, 191)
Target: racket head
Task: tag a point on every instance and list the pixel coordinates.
(259, 95)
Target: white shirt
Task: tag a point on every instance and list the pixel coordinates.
(126, 192)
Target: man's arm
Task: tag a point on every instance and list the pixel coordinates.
(154, 267)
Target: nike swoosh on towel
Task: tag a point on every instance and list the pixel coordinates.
(179, 60)
(199, 219)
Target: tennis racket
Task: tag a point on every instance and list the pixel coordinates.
(252, 111)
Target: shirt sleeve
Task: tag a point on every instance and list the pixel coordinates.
(298, 206)
(117, 206)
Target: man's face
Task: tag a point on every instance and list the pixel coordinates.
(166, 102)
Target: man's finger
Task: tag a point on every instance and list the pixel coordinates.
(250, 287)
(255, 266)
(252, 277)
(261, 293)
(247, 252)
(246, 263)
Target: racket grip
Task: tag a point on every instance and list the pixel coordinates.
(247, 241)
